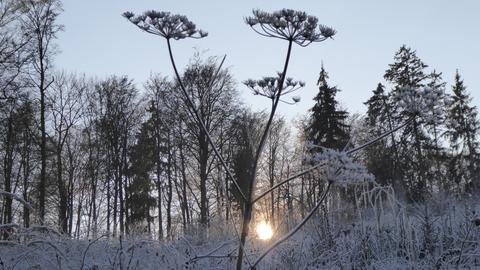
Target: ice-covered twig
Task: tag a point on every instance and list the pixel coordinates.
(49, 243)
(294, 230)
(88, 247)
(210, 253)
(318, 165)
(16, 197)
(304, 172)
(42, 228)
(9, 226)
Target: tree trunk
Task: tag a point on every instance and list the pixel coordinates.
(203, 154)
(7, 174)
(26, 176)
(62, 192)
(43, 142)
(184, 186)
(169, 187)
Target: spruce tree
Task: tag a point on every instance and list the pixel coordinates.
(434, 123)
(408, 72)
(463, 127)
(378, 108)
(140, 200)
(327, 127)
(382, 156)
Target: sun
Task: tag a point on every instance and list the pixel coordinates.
(264, 231)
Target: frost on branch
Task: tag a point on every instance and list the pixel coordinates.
(340, 169)
(165, 24)
(424, 103)
(434, 104)
(268, 86)
(291, 25)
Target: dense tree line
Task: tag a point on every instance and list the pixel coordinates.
(107, 156)
(439, 151)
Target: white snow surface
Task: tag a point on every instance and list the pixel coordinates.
(439, 234)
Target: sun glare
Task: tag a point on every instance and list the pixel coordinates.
(264, 231)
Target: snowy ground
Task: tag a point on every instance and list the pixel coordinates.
(437, 235)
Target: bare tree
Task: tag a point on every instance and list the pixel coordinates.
(66, 101)
(118, 115)
(39, 23)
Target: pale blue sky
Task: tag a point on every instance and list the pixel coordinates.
(99, 42)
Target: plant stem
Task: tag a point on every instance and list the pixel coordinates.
(197, 116)
(294, 230)
(354, 150)
(247, 214)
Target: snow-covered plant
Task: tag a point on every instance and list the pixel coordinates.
(422, 102)
(290, 25)
(435, 105)
(295, 27)
(340, 169)
(409, 100)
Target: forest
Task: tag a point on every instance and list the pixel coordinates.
(178, 172)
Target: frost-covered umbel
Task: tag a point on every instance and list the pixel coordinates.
(418, 102)
(291, 25)
(165, 24)
(340, 169)
(268, 86)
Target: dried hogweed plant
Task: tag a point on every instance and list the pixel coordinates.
(177, 27)
(295, 27)
(268, 87)
(291, 25)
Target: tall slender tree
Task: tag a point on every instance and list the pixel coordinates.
(118, 117)
(463, 128)
(327, 127)
(215, 98)
(407, 74)
(140, 199)
(382, 158)
(40, 24)
(434, 124)
(66, 104)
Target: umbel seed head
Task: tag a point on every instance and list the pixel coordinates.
(268, 86)
(291, 25)
(165, 24)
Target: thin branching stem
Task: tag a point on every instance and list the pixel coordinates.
(247, 215)
(294, 230)
(199, 119)
(306, 171)
(88, 247)
(352, 151)
(381, 137)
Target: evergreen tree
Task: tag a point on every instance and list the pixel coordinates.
(327, 127)
(434, 123)
(407, 70)
(382, 156)
(379, 110)
(246, 128)
(140, 200)
(463, 127)
(407, 75)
